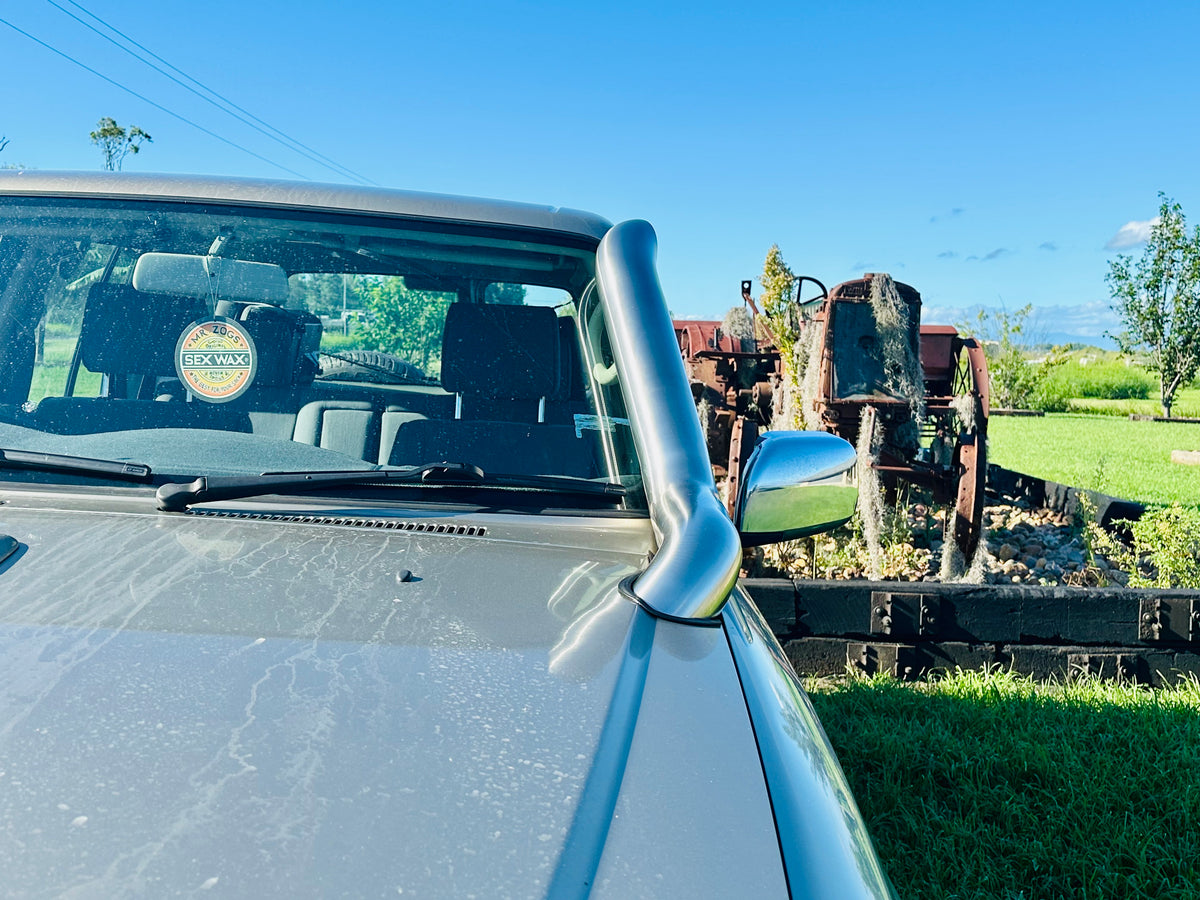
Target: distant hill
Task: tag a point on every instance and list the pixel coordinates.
(1084, 323)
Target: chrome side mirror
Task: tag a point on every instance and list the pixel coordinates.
(796, 483)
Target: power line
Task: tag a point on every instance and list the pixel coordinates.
(247, 118)
(157, 106)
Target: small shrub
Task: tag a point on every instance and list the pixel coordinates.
(1013, 377)
(1165, 549)
(1052, 395)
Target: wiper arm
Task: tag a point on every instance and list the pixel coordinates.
(177, 497)
(55, 462)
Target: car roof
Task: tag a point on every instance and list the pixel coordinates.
(300, 194)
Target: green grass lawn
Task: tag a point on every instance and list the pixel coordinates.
(993, 786)
(49, 381)
(1116, 456)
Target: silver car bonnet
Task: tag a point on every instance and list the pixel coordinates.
(276, 709)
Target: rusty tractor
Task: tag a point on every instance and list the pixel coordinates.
(933, 435)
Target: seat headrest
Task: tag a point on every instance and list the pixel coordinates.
(501, 352)
(288, 341)
(134, 333)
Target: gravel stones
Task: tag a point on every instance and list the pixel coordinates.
(1024, 546)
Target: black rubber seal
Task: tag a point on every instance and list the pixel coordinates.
(627, 591)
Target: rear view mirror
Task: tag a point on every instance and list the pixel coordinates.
(210, 277)
(796, 483)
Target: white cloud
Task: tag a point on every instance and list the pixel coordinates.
(1131, 234)
(1082, 322)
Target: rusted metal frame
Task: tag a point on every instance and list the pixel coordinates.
(741, 445)
(748, 298)
(971, 459)
(977, 362)
(733, 354)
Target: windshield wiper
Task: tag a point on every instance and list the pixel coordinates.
(177, 497)
(55, 462)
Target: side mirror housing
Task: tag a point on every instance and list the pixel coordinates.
(796, 483)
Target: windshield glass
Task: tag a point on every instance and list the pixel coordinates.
(234, 341)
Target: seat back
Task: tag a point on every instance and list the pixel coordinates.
(503, 362)
(287, 341)
(512, 373)
(112, 311)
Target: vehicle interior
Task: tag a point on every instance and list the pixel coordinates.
(447, 343)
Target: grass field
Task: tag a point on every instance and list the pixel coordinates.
(49, 381)
(993, 786)
(1116, 456)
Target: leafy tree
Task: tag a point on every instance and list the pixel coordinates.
(405, 322)
(1158, 300)
(116, 143)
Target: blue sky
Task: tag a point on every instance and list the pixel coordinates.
(988, 154)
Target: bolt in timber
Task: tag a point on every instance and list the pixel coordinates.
(885, 621)
(904, 614)
(1169, 619)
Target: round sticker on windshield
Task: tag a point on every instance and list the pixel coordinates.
(216, 359)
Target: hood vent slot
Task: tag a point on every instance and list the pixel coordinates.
(350, 521)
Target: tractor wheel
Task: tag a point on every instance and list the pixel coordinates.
(970, 451)
(741, 445)
(970, 457)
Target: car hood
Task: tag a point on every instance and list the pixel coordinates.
(309, 709)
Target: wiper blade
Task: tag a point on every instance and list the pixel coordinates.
(56, 462)
(177, 497)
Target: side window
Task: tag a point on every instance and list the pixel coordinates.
(76, 270)
(607, 398)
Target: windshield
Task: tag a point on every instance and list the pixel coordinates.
(202, 341)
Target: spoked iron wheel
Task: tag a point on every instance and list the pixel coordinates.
(970, 449)
(741, 445)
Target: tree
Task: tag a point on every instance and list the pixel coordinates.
(405, 322)
(116, 143)
(1158, 300)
